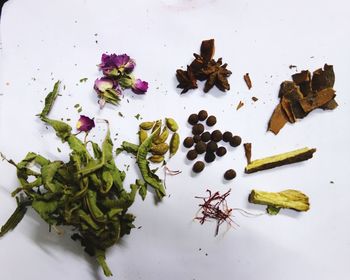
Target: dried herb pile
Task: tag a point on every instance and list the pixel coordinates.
(302, 95)
(204, 68)
(86, 193)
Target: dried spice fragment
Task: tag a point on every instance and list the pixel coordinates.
(279, 160)
(186, 80)
(248, 151)
(302, 95)
(255, 99)
(247, 80)
(240, 105)
(291, 199)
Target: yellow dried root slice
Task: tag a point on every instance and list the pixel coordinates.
(291, 199)
(279, 160)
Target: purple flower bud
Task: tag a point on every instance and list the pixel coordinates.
(113, 65)
(139, 86)
(85, 123)
(108, 90)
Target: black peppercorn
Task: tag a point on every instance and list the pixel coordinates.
(236, 141)
(193, 119)
(198, 166)
(216, 136)
(230, 174)
(197, 129)
(221, 151)
(212, 146)
(191, 155)
(188, 142)
(200, 147)
(227, 136)
(211, 121)
(196, 138)
(206, 136)
(202, 115)
(209, 157)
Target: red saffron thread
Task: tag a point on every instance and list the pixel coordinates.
(214, 207)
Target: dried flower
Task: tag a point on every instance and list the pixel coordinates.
(114, 65)
(85, 123)
(108, 91)
(139, 86)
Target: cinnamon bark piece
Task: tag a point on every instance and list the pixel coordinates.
(320, 98)
(277, 120)
(279, 160)
(248, 151)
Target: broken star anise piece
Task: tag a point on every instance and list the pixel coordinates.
(217, 75)
(207, 49)
(186, 80)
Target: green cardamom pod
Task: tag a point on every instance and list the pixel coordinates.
(156, 158)
(162, 137)
(146, 125)
(171, 124)
(174, 144)
(142, 135)
(160, 149)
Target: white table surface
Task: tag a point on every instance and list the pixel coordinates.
(43, 41)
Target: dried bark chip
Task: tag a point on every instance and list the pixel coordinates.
(208, 49)
(188, 142)
(279, 160)
(277, 120)
(248, 151)
(240, 105)
(331, 105)
(247, 80)
(287, 110)
(322, 79)
(303, 80)
(321, 98)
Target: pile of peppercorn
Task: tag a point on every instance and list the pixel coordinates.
(205, 142)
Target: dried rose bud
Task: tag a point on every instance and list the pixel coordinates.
(85, 123)
(114, 65)
(139, 87)
(108, 91)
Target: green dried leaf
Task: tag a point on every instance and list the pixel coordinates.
(49, 100)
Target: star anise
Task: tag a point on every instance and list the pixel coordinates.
(217, 75)
(186, 79)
